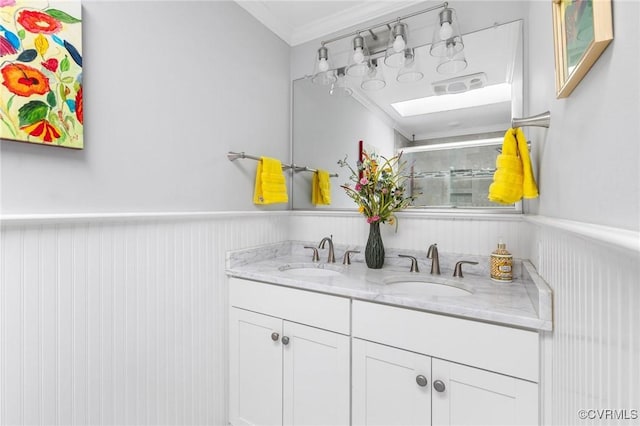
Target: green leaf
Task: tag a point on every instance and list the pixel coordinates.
(51, 99)
(10, 102)
(31, 112)
(67, 79)
(22, 34)
(65, 64)
(62, 16)
(62, 92)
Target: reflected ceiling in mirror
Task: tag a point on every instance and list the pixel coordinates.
(491, 56)
(326, 128)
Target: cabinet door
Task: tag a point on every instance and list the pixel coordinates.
(469, 396)
(390, 386)
(255, 369)
(316, 376)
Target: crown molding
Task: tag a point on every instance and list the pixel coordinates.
(347, 18)
(259, 10)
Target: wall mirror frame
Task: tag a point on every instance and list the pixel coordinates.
(326, 128)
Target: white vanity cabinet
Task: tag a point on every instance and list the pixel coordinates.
(471, 396)
(289, 356)
(390, 386)
(396, 382)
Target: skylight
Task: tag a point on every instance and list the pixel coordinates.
(484, 96)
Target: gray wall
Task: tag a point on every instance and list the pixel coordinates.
(330, 129)
(170, 87)
(588, 161)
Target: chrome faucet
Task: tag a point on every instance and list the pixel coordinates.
(346, 260)
(432, 254)
(414, 263)
(457, 271)
(332, 257)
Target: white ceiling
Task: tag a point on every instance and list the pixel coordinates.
(300, 21)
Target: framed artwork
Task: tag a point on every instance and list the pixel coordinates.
(582, 29)
(41, 72)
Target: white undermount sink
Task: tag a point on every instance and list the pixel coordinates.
(311, 270)
(407, 286)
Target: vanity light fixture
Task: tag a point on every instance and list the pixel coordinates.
(363, 58)
(452, 64)
(374, 80)
(341, 87)
(410, 72)
(359, 59)
(446, 40)
(394, 55)
(323, 73)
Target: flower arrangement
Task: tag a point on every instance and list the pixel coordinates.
(378, 187)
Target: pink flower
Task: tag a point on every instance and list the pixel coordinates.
(373, 219)
(6, 48)
(364, 181)
(4, 3)
(358, 187)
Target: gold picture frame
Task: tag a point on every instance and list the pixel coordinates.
(582, 30)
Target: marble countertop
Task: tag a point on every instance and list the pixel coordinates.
(526, 302)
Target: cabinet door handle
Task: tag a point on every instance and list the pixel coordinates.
(421, 380)
(275, 336)
(439, 386)
(285, 340)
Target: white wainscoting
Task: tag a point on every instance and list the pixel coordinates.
(119, 319)
(593, 354)
(122, 319)
(475, 234)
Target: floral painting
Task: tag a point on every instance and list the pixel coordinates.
(41, 72)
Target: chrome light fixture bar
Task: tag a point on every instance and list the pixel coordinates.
(386, 23)
(360, 61)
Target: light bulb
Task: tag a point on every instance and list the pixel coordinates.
(323, 65)
(446, 31)
(399, 44)
(451, 50)
(358, 55)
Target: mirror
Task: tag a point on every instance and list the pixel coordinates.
(450, 153)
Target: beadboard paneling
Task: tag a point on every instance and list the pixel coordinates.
(593, 354)
(123, 320)
(119, 321)
(467, 234)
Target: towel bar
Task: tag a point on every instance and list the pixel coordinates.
(232, 156)
(540, 120)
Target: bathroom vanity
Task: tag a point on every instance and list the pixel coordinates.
(332, 344)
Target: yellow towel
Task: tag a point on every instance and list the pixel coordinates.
(271, 186)
(513, 178)
(321, 188)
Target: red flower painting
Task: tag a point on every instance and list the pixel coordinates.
(41, 97)
(43, 130)
(38, 22)
(24, 80)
